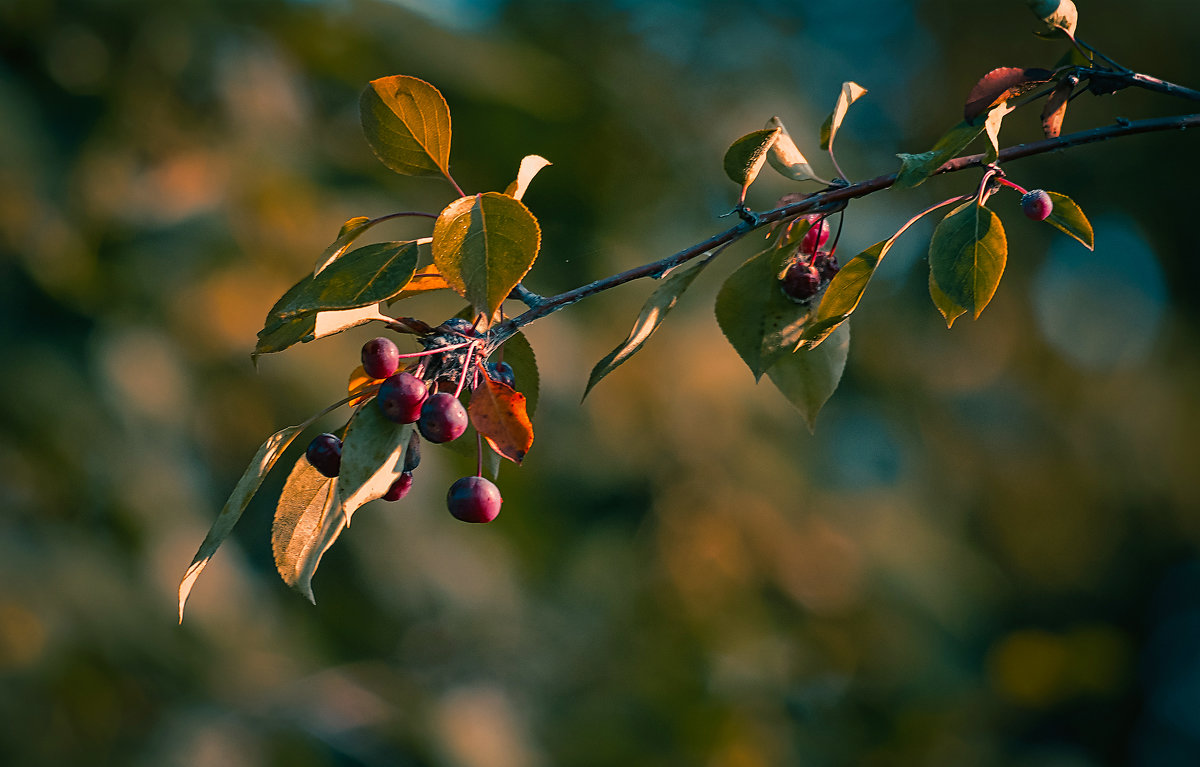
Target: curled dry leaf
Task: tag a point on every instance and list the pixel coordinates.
(1056, 108)
(1001, 85)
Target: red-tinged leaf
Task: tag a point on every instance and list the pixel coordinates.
(1056, 108)
(1001, 85)
(498, 413)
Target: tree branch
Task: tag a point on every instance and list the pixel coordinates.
(829, 200)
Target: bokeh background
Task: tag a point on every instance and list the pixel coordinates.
(985, 555)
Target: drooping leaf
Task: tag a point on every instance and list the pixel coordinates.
(1068, 218)
(360, 383)
(991, 127)
(518, 353)
(844, 292)
(1057, 14)
(407, 124)
(372, 458)
(950, 310)
(530, 165)
(483, 245)
(851, 92)
(915, 168)
(1056, 108)
(760, 322)
(655, 310)
(808, 377)
(786, 158)
(362, 277)
(281, 334)
(498, 412)
(349, 232)
(967, 255)
(251, 479)
(304, 503)
(1001, 85)
(745, 157)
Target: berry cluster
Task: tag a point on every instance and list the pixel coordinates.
(416, 396)
(812, 267)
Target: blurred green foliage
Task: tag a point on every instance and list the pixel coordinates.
(986, 554)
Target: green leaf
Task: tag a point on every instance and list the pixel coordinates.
(303, 507)
(407, 124)
(915, 168)
(950, 310)
(851, 92)
(844, 292)
(1067, 217)
(967, 256)
(655, 310)
(362, 277)
(251, 479)
(808, 377)
(760, 322)
(745, 157)
(530, 166)
(303, 328)
(785, 157)
(372, 457)
(518, 353)
(483, 245)
(349, 232)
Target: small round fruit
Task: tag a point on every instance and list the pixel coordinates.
(400, 487)
(325, 454)
(816, 237)
(1037, 205)
(474, 499)
(502, 372)
(826, 264)
(401, 396)
(800, 282)
(443, 418)
(380, 357)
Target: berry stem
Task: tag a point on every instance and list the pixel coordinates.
(478, 454)
(439, 350)
(1008, 183)
(462, 379)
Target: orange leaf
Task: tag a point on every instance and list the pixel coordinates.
(1056, 108)
(498, 413)
(423, 281)
(360, 381)
(1001, 85)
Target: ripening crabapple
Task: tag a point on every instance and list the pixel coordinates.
(380, 357)
(443, 418)
(474, 499)
(401, 396)
(800, 281)
(816, 236)
(1037, 205)
(324, 453)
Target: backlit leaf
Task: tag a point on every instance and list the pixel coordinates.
(530, 165)
(786, 158)
(745, 157)
(483, 246)
(851, 92)
(844, 292)
(372, 458)
(407, 124)
(655, 310)
(967, 256)
(991, 127)
(1001, 85)
(760, 322)
(915, 168)
(950, 310)
(499, 413)
(349, 232)
(360, 382)
(362, 277)
(1057, 14)
(808, 377)
(1056, 108)
(304, 503)
(423, 281)
(1069, 218)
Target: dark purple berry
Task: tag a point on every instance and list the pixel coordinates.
(816, 237)
(460, 326)
(502, 372)
(826, 264)
(400, 487)
(800, 282)
(1037, 205)
(474, 499)
(443, 418)
(401, 396)
(325, 454)
(412, 456)
(380, 357)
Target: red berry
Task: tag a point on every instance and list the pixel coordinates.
(816, 237)
(400, 487)
(325, 454)
(443, 418)
(474, 499)
(380, 357)
(1037, 205)
(401, 396)
(800, 282)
